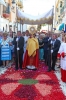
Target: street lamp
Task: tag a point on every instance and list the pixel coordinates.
(52, 16)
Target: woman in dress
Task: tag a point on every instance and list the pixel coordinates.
(4, 42)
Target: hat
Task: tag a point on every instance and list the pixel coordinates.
(5, 34)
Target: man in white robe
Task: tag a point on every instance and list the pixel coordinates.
(25, 41)
(62, 56)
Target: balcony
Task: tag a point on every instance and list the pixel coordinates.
(6, 11)
(62, 10)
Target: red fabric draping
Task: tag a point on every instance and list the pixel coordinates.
(26, 61)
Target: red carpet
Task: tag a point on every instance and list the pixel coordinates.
(30, 85)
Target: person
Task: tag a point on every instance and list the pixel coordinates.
(54, 50)
(62, 57)
(5, 43)
(41, 47)
(25, 41)
(59, 37)
(18, 43)
(31, 58)
(1, 32)
(49, 54)
(45, 40)
(10, 39)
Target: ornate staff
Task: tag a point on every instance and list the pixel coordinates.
(17, 46)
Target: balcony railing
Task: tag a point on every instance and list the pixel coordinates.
(62, 10)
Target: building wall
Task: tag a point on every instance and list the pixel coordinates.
(4, 22)
(59, 12)
(11, 20)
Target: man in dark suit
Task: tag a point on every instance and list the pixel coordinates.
(53, 47)
(18, 43)
(54, 50)
(49, 54)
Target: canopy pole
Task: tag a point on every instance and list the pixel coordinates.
(22, 26)
(48, 27)
(52, 17)
(17, 26)
(14, 27)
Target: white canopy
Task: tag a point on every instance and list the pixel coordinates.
(2, 2)
(34, 20)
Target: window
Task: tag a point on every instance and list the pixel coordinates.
(6, 9)
(60, 3)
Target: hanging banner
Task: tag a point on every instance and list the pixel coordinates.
(5, 53)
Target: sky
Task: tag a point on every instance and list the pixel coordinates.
(37, 7)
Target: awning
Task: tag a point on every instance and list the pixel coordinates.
(61, 27)
(34, 20)
(2, 2)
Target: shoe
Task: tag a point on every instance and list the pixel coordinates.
(49, 70)
(21, 68)
(16, 68)
(53, 69)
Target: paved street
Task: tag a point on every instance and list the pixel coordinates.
(57, 73)
(37, 25)
(2, 70)
(62, 84)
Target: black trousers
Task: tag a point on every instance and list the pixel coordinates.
(54, 58)
(49, 60)
(45, 55)
(18, 59)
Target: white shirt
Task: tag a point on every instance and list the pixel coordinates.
(25, 40)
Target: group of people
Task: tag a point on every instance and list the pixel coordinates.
(19, 46)
(30, 48)
(5, 40)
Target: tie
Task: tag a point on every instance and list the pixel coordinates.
(53, 42)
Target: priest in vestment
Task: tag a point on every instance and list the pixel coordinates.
(31, 58)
